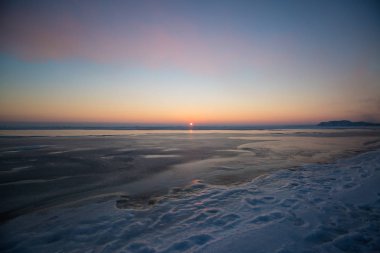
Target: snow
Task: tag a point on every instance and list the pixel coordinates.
(315, 208)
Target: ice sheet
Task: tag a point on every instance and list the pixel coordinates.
(315, 208)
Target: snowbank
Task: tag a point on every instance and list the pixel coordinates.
(315, 208)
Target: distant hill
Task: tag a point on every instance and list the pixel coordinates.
(347, 123)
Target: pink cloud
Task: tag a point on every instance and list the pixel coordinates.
(43, 36)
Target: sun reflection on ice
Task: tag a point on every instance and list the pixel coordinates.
(191, 124)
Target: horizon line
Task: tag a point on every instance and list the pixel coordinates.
(110, 126)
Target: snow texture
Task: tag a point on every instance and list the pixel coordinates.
(314, 208)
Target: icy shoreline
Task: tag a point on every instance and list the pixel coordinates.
(315, 208)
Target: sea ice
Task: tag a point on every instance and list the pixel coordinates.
(315, 208)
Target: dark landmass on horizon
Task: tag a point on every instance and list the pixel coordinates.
(347, 123)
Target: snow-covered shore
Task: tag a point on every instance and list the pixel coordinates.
(315, 208)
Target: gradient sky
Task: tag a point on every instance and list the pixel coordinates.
(211, 62)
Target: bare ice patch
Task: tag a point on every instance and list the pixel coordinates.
(34, 181)
(160, 156)
(17, 169)
(236, 150)
(69, 151)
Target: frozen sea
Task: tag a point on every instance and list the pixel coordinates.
(294, 190)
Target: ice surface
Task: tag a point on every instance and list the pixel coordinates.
(314, 208)
(54, 167)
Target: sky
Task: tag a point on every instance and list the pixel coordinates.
(174, 62)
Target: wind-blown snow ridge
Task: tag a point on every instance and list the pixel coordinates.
(315, 208)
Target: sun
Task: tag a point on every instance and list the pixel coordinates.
(191, 124)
